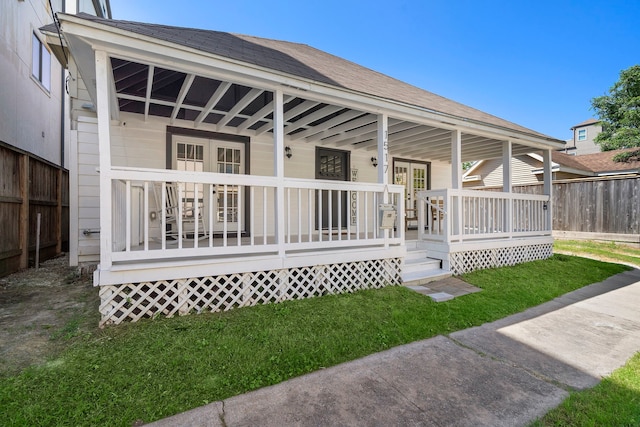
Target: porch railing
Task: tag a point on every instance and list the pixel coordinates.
(451, 215)
(174, 214)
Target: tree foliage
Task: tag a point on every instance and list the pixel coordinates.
(619, 113)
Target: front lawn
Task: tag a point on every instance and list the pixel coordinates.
(156, 368)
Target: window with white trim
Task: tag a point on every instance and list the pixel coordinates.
(582, 134)
(41, 62)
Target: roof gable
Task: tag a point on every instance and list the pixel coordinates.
(308, 63)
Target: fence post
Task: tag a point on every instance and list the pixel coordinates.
(58, 220)
(24, 211)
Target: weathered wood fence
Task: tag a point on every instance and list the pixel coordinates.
(30, 186)
(593, 205)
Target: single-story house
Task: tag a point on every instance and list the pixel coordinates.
(213, 170)
(528, 168)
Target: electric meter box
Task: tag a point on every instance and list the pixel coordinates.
(387, 216)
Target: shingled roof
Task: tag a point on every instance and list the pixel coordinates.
(598, 162)
(308, 63)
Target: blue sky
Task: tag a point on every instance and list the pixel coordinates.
(536, 63)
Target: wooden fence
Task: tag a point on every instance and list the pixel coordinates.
(30, 186)
(593, 205)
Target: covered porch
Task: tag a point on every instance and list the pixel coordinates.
(226, 182)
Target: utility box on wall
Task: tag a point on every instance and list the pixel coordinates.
(387, 216)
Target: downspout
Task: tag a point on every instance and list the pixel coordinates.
(63, 91)
(62, 116)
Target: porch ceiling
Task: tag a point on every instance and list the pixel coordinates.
(150, 90)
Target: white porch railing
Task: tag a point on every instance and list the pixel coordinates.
(160, 214)
(451, 215)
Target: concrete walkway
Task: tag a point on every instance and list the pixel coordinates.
(504, 373)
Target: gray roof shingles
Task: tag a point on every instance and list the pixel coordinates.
(311, 64)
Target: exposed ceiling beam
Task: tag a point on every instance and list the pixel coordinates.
(261, 114)
(147, 97)
(298, 109)
(186, 85)
(215, 98)
(362, 121)
(346, 116)
(240, 105)
(317, 115)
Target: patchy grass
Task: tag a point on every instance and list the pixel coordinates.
(613, 402)
(608, 251)
(156, 368)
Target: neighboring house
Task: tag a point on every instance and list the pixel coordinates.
(583, 136)
(33, 132)
(217, 170)
(528, 168)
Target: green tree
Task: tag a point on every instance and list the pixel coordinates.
(619, 113)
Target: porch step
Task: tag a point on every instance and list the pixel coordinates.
(419, 269)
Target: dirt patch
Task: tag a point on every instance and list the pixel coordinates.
(43, 310)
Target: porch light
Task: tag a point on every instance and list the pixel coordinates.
(374, 162)
(287, 152)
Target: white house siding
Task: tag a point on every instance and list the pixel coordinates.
(29, 114)
(440, 175)
(139, 143)
(491, 172)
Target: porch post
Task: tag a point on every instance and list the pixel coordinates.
(383, 149)
(278, 164)
(507, 184)
(456, 182)
(548, 187)
(383, 163)
(104, 151)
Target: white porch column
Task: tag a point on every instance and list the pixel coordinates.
(383, 163)
(548, 186)
(383, 149)
(278, 165)
(456, 181)
(104, 151)
(507, 183)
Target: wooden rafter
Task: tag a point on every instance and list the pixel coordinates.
(147, 98)
(186, 85)
(240, 105)
(344, 117)
(215, 98)
(317, 115)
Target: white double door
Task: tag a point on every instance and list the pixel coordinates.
(210, 155)
(414, 177)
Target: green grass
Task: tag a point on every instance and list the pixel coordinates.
(611, 251)
(155, 368)
(613, 402)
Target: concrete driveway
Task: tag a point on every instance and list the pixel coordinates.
(504, 373)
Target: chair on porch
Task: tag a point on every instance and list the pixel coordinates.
(172, 212)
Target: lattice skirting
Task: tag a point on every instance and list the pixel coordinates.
(466, 261)
(134, 301)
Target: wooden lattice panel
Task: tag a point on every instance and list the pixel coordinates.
(466, 261)
(134, 301)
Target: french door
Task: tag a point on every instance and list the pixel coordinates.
(210, 155)
(415, 177)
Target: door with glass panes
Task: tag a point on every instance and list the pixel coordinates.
(209, 155)
(415, 177)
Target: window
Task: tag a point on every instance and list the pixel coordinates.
(41, 63)
(582, 134)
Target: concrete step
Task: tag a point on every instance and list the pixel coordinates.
(413, 254)
(420, 264)
(421, 277)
